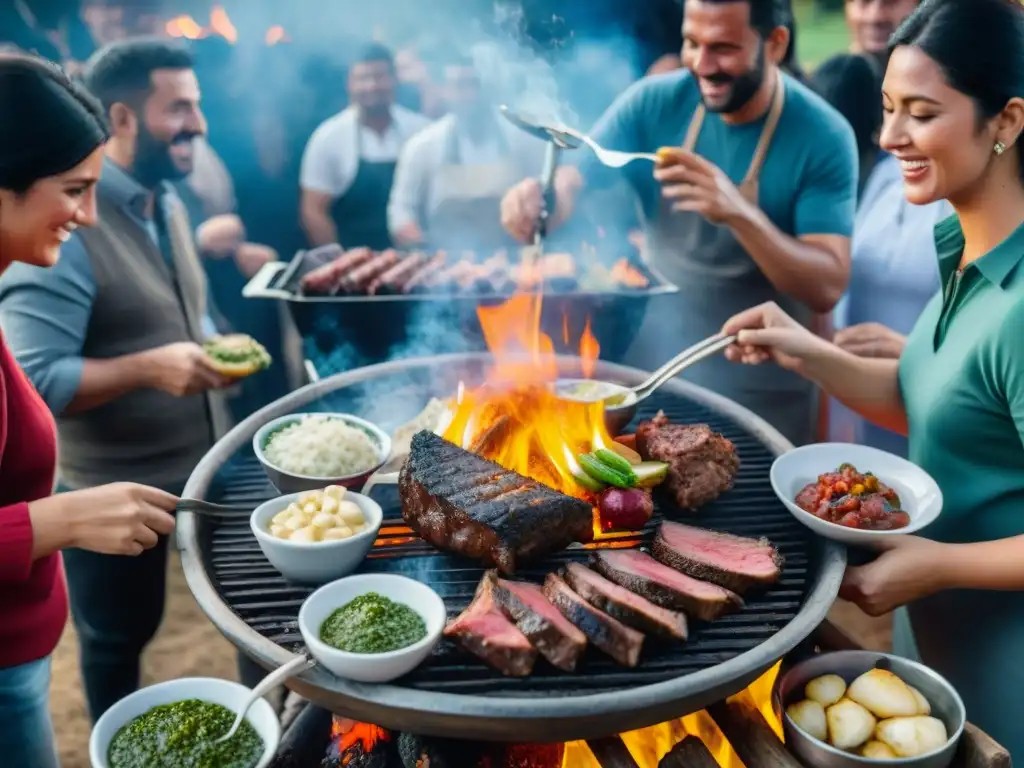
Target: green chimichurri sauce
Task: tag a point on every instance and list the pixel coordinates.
(181, 735)
(372, 624)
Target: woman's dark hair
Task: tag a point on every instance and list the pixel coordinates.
(851, 83)
(979, 44)
(48, 123)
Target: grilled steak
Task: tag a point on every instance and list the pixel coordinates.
(557, 638)
(628, 607)
(610, 635)
(733, 562)
(462, 503)
(665, 586)
(702, 463)
(484, 630)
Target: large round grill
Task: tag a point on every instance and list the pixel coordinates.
(454, 694)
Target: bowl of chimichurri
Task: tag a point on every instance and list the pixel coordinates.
(174, 725)
(372, 627)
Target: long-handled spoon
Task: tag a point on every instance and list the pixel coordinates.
(267, 684)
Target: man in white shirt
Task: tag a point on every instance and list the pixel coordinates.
(452, 175)
(349, 162)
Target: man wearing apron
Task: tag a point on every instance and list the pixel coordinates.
(452, 175)
(755, 203)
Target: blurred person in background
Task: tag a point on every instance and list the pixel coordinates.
(741, 206)
(349, 163)
(872, 23)
(111, 337)
(452, 175)
(51, 154)
(53, 29)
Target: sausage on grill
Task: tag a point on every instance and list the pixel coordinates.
(420, 281)
(359, 279)
(393, 280)
(325, 278)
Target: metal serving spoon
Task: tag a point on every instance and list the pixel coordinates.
(625, 399)
(265, 686)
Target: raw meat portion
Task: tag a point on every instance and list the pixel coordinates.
(628, 607)
(665, 586)
(462, 503)
(484, 630)
(733, 562)
(702, 463)
(557, 638)
(610, 635)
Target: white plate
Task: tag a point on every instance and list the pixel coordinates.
(919, 494)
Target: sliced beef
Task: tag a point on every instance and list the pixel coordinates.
(484, 630)
(610, 635)
(702, 463)
(557, 638)
(628, 607)
(664, 586)
(462, 503)
(733, 562)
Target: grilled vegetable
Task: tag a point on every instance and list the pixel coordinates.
(601, 472)
(586, 480)
(627, 510)
(613, 460)
(650, 473)
(626, 452)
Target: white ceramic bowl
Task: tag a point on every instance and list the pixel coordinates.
(224, 692)
(919, 494)
(372, 667)
(290, 482)
(315, 562)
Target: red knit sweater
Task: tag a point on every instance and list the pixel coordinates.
(33, 595)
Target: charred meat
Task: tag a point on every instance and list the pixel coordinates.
(610, 635)
(628, 607)
(462, 503)
(557, 638)
(664, 586)
(734, 562)
(702, 463)
(485, 631)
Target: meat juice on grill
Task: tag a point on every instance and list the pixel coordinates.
(558, 639)
(484, 630)
(462, 503)
(628, 607)
(664, 586)
(702, 463)
(734, 562)
(610, 635)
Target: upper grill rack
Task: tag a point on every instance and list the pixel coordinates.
(268, 604)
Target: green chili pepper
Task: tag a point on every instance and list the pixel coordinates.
(613, 460)
(603, 473)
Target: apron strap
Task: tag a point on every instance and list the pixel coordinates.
(693, 132)
(768, 133)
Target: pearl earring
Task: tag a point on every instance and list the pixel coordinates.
(1000, 148)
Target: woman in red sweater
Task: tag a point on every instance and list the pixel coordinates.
(52, 134)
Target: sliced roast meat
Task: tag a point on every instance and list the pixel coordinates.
(702, 463)
(610, 635)
(664, 586)
(628, 607)
(483, 629)
(733, 562)
(557, 638)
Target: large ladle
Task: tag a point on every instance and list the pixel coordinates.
(621, 402)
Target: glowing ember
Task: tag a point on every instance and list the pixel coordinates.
(351, 737)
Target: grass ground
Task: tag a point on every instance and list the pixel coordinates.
(818, 35)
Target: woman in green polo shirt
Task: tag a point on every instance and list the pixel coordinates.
(954, 103)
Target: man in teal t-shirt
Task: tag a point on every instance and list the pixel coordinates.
(757, 205)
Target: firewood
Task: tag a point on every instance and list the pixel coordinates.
(689, 753)
(751, 737)
(611, 752)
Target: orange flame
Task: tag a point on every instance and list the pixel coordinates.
(186, 27)
(275, 35)
(349, 733)
(220, 23)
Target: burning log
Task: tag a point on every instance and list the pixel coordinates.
(358, 745)
(751, 737)
(612, 753)
(423, 752)
(689, 753)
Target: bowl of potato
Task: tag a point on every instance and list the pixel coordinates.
(317, 536)
(862, 708)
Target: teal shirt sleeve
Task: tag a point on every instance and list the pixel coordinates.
(621, 128)
(827, 200)
(1009, 366)
(44, 314)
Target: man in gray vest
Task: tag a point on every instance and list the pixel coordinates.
(110, 337)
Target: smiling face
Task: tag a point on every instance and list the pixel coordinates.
(34, 225)
(932, 129)
(873, 22)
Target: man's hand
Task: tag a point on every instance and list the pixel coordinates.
(182, 369)
(250, 257)
(409, 234)
(871, 340)
(693, 184)
(220, 236)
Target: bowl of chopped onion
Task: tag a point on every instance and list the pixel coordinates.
(317, 536)
(309, 451)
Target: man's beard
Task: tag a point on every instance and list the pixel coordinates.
(153, 162)
(744, 87)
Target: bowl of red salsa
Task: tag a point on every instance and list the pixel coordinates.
(855, 493)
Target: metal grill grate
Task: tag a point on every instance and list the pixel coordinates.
(258, 594)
